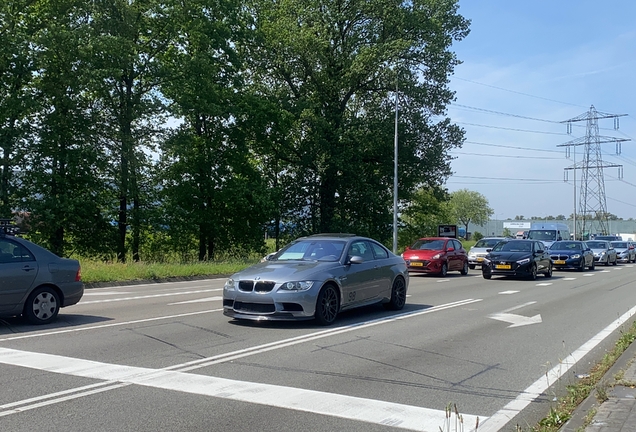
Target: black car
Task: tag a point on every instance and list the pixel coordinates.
(571, 255)
(524, 258)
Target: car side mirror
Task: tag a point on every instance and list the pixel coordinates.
(488, 250)
(450, 249)
(356, 259)
(540, 251)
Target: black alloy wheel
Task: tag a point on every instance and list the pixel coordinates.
(592, 266)
(533, 271)
(582, 266)
(398, 295)
(327, 305)
(444, 271)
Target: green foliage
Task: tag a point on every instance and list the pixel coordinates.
(421, 217)
(469, 206)
(477, 236)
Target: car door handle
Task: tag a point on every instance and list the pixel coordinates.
(27, 268)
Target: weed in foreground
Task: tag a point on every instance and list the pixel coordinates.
(455, 423)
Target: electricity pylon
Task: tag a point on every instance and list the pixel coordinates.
(592, 211)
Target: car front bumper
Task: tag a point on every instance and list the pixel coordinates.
(270, 306)
(424, 266)
(519, 270)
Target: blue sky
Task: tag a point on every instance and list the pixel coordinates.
(547, 60)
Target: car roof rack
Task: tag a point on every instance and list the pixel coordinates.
(7, 226)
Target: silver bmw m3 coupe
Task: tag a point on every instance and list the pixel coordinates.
(317, 277)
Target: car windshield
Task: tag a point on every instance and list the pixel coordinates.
(597, 244)
(622, 245)
(542, 235)
(428, 245)
(513, 246)
(487, 243)
(311, 249)
(566, 245)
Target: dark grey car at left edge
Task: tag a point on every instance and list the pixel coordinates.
(34, 282)
(317, 277)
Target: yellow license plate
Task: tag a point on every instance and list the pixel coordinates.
(480, 259)
(417, 264)
(503, 266)
(559, 262)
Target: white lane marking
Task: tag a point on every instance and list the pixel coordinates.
(443, 280)
(605, 271)
(591, 274)
(329, 404)
(618, 268)
(569, 279)
(504, 415)
(202, 300)
(97, 327)
(509, 292)
(149, 296)
(104, 293)
(544, 284)
(518, 306)
(200, 363)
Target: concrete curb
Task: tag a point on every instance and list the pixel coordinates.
(90, 285)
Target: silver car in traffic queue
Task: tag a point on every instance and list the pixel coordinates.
(604, 252)
(625, 251)
(317, 277)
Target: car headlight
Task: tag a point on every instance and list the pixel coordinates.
(230, 285)
(297, 286)
(523, 261)
(576, 256)
(437, 256)
(603, 253)
(471, 255)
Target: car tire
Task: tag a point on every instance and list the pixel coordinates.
(327, 305)
(533, 271)
(464, 270)
(471, 266)
(582, 266)
(592, 266)
(398, 295)
(444, 271)
(42, 306)
(548, 274)
(486, 275)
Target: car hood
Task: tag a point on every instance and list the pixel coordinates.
(283, 271)
(508, 256)
(564, 252)
(599, 250)
(420, 254)
(478, 250)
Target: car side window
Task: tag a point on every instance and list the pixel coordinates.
(361, 248)
(457, 244)
(13, 252)
(379, 251)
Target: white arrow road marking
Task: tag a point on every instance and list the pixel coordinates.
(516, 320)
(508, 292)
(497, 421)
(202, 300)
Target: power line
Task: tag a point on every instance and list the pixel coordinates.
(512, 179)
(512, 129)
(520, 93)
(505, 156)
(511, 147)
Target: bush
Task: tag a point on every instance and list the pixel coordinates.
(477, 236)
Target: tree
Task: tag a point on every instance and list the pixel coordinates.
(470, 206)
(328, 67)
(422, 215)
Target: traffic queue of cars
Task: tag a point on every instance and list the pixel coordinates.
(514, 257)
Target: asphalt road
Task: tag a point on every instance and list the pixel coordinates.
(162, 357)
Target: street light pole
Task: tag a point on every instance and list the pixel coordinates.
(395, 171)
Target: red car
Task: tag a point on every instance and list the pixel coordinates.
(437, 255)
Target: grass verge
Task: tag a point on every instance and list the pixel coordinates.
(96, 271)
